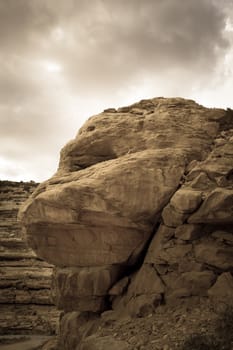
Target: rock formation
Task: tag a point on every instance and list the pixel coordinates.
(139, 213)
(26, 304)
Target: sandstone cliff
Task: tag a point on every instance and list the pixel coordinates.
(139, 214)
(26, 304)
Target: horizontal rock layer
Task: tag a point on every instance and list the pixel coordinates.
(26, 304)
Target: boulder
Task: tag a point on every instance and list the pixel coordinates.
(216, 208)
(172, 217)
(186, 200)
(138, 213)
(89, 211)
(114, 179)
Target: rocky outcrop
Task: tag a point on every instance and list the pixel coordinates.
(26, 305)
(139, 212)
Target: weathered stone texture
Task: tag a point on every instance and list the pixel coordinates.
(84, 289)
(90, 207)
(139, 212)
(115, 178)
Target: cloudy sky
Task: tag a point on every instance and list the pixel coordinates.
(65, 60)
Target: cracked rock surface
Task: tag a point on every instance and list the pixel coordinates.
(139, 213)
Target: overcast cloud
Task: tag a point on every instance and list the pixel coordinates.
(64, 60)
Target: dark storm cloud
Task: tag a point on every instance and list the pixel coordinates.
(110, 42)
(104, 48)
(22, 22)
(16, 82)
(119, 40)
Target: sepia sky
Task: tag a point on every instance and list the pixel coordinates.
(65, 60)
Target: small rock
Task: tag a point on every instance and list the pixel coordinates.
(186, 200)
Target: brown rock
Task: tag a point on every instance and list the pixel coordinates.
(198, 282)
(182, 203)
(189, 264)
(193, 283)
(162, 236)
(173, 218)
(215, 171)
(186, 200)
(188, 232)
(215, 254)
(22, 296)
(108, 203)
(143, 305)
(25, 297)
(201, 181)
(223, 236)
(126, 172)
(83, 289)
(74, 327)
(107, 136)
(28, 319)
(145, 281)
(223, 288)
(51, 344)
(216, 208)
(144, 293)
(172, 255)
(91, 208)
(119, 287)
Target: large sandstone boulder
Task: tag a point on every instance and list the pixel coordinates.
(139, 212)
(103, 214)
(114, 179)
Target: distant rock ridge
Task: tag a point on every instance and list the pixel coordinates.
(139, 213)
(26, 305)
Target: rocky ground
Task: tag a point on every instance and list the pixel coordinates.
(168, 328)
(194, 324)
(189, 325)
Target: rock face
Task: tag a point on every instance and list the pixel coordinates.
(26, 305)
(140, 211)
